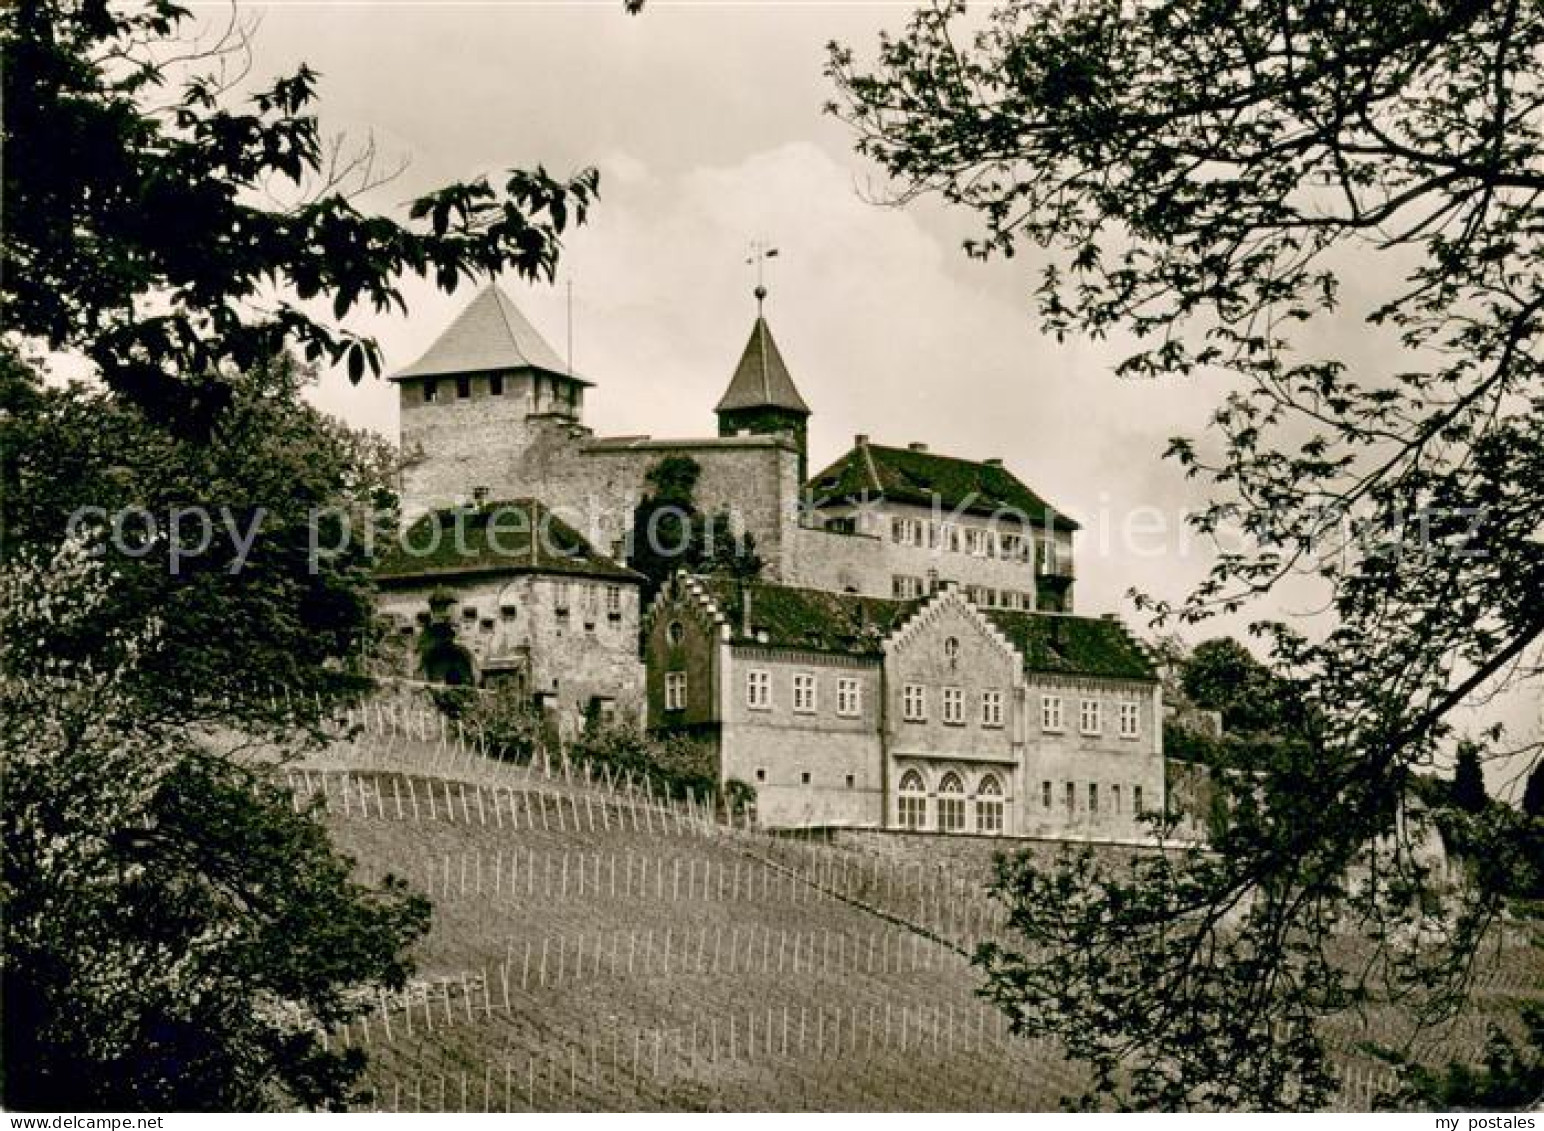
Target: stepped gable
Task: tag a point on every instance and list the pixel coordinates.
(907, 475)
(1060, 644)
(490, 334)
(784, 616)
(513, 536)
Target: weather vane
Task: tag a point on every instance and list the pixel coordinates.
(761, 251)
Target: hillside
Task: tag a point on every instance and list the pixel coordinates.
(596, 948)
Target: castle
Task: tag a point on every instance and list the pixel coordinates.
(907, 656)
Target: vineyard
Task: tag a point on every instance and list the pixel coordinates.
(599, 947)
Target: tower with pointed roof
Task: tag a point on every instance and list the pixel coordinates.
(488, 391)
(762, 398)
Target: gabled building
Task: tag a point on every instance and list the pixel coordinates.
(927, 714)
(506, 593)
(918, 518)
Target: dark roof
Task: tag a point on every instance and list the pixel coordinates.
(761, 379)
(490, 334)
(1069, 645)
(870, 471)
(813, 619)
(516, 536)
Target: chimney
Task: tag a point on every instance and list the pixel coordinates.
(860, 440)
(916, 446)
(993, 461)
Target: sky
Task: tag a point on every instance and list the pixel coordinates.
(706, 124)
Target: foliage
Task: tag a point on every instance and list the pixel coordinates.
(677, 764)
(143, 221)
(507, 722)
(1533, 793)
(1222, 675)
(1468, 790)
(1511, 1075)
(248, 609)
(670, 533)
(175, 936)
(1206, 179)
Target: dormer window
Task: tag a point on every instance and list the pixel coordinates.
(463, 388)
(496, 385)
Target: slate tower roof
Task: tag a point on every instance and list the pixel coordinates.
(761, 379)
(491, 334)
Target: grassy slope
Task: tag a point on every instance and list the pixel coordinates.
(593, 950)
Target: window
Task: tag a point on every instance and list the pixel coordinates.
(951, 538)
(803, 693)
(951, 804)
(1136, 799)
(1072, 797)
(849, 698)
(1115, 799)
(914, 703)
(952, 650)
(851, 781)
(614, 602)
(991, 708)
(469, 613)
(758, 690)
(761, 773)
(1013, 599)
(954, 706)
(675, 691)
(509, 610)
(431, 391)
(1090, 720)
(560, 597)
(1051, 712)
(976, 542)
(496, 385)
(913, 807)
(905, 587)
(1129, 720)
(463, 388)
(989, 806)
(908, 531)
(1013, 547)
(675, 632)
(1093, 797)
(804, 777)
(1045, 794)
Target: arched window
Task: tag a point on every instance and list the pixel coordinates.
(989, 805)
(675, 632)
(951, 804)
(952, 650)
(913, 807)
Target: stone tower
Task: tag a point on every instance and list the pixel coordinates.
(485, 408)
(761, 398)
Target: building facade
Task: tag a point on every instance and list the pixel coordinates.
(506, 594)
(927, 714)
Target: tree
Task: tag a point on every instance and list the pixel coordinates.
(250, 546)
(1205, 177)
(175, 935)
(1533, 793)
(141, 228)
(670, 533)
(1221, 675)
(1469, 779)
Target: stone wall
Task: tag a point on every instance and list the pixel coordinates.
(515, 627)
